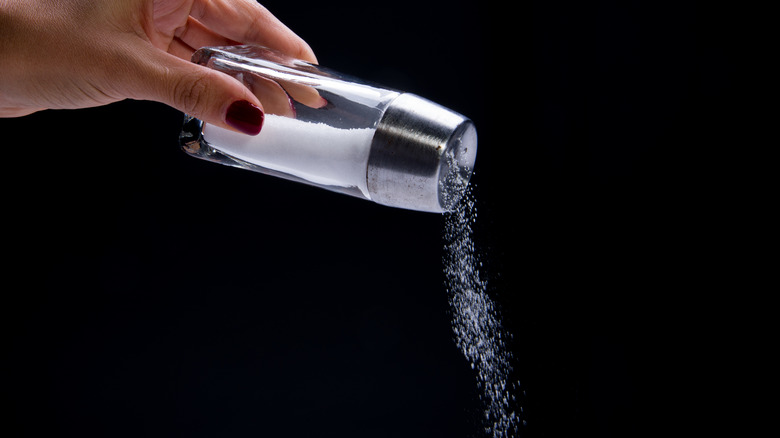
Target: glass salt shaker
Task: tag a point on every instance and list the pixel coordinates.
(342, 134)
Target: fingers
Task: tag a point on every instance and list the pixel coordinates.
(180, 49)
(213, 96)
(275, 99)
(195, 35)
(248, 22)
(201, 92)
(304, 94)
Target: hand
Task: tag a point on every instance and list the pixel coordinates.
(280, 91)
(85, 53)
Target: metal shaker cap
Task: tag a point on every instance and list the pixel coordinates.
(422, 156)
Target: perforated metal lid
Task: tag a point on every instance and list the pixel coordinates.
(422, 155)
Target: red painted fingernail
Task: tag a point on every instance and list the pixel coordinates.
(245, 117)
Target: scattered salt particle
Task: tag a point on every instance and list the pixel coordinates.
(477, 327)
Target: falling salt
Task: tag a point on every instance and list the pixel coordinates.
(479, 333)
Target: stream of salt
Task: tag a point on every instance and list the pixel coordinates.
(476, 323)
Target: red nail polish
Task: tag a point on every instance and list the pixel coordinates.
(245, 117)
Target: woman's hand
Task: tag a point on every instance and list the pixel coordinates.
(84, 53)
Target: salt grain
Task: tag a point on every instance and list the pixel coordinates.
(315, 152)
(479, 333)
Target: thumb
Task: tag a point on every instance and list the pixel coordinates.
(201, 92)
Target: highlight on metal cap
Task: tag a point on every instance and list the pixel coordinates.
(422, 156)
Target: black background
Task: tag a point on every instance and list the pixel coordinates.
(154, 294)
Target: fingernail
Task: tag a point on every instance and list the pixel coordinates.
(245, 117)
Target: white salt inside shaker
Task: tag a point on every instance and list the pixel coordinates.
(339, 133)
(315, 152)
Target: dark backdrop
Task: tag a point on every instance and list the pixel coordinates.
(154, 294)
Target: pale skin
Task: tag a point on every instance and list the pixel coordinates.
(68, 54)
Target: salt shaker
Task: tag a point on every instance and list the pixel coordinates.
(339, 133)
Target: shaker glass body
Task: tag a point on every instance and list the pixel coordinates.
(342, 134)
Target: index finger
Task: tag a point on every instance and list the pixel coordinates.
(248, 22)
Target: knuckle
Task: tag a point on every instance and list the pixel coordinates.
(191, 91)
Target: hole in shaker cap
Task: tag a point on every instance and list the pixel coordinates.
(457, 166)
